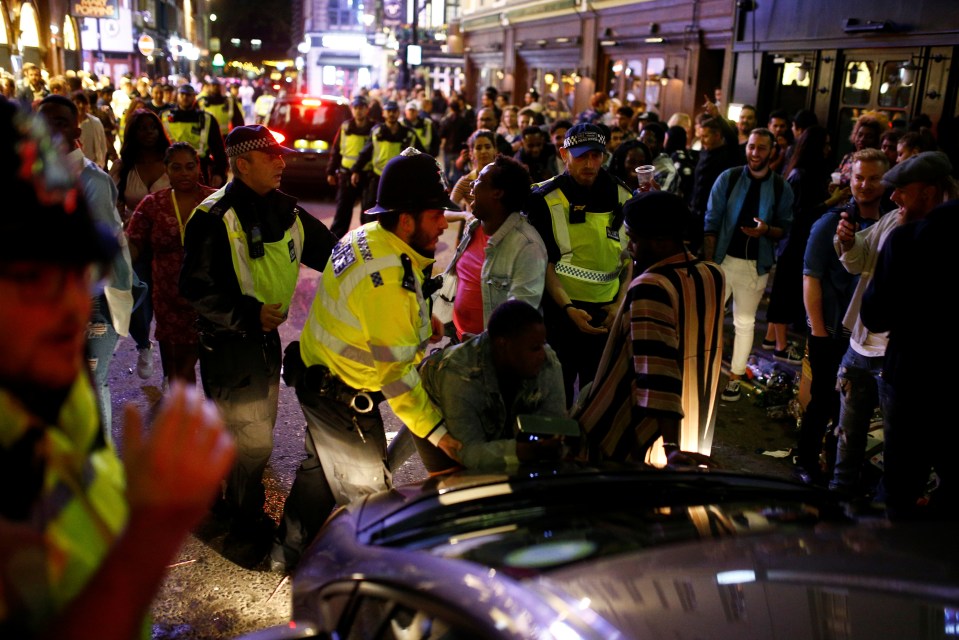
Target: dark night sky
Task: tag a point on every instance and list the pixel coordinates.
(268, 20)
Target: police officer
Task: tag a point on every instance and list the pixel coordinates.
(84, 536)
(423, 126)
(579, 216)
(186, 123)
(223, 107)
(387, 140)
(242, 254)
(352, 136)
(365, 335)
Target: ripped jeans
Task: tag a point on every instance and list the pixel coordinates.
(101, 341)
(859, 393)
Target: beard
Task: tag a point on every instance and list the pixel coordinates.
(420, 241)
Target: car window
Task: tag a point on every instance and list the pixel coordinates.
(315, 120)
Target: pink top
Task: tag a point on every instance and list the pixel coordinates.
(468, 306)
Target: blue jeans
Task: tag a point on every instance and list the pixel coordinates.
(101, 341)
(859, 393)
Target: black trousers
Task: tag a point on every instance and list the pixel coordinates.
(579, 353)
(346, 196)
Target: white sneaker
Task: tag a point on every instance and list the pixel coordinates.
(732, 392)
(145, 362)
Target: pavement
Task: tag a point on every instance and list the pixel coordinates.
(207, 597)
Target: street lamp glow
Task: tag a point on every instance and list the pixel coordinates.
(212, 17)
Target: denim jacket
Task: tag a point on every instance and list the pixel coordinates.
(722, 216)
(515, 264)
(461, 380)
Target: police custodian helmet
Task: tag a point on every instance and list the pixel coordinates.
(412, 181)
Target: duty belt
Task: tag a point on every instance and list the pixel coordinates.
(588, 275)
(321, 380)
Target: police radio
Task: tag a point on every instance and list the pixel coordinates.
(257, 250)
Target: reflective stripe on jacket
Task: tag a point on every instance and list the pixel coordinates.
(196, 133)
(79, 510)
(370, 328)
(272, 277)
(350, 145)
(592, 254)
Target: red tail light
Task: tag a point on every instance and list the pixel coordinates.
(279, 137)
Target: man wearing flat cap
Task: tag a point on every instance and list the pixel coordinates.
(669, 351)
(387, 140)
(366, 333)
(352, 136)
(186, 122)
(919, 184)
(579, 216)
(242, 253)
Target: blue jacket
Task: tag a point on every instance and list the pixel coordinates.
(722, 216)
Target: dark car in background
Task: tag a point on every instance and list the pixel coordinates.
(620, 553)
(308, 125)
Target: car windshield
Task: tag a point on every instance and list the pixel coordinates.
(526, 532)
(311, 119)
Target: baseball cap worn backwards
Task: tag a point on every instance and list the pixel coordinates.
(254, 137)
(584, 137)
(928, 166)
(412, 181)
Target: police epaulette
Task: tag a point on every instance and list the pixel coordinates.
(619, 181)
(542, 188)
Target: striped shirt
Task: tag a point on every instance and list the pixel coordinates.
(662, 359)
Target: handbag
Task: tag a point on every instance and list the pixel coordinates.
(444, 297)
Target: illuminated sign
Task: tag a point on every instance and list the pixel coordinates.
(95, 8)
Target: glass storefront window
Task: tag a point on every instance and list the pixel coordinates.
(795, 74)
(857, 82)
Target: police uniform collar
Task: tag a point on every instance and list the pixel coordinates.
(420, 261)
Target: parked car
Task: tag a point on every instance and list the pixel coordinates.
(308, 125)
(620, 553)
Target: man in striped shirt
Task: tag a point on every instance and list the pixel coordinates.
(656, 390)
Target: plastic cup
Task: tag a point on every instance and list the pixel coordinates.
(836, 177)
(644, 174)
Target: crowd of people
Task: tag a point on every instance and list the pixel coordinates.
(578, 291)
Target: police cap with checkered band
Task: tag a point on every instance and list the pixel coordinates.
(254, 137)
(412, 181)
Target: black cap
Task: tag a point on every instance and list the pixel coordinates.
(49, 200)
(254, 137)
(412, 181)
(360, 101)
(656, 214)
(391, 106)
(186, 88)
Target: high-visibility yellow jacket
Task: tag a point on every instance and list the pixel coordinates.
(79, 509)
(272, 277)
(187, 126)
(593, 254)
(370, 325)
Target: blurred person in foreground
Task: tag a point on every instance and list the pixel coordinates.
(84, 538)
(656, 390)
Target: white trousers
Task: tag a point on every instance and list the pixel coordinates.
(746, 287)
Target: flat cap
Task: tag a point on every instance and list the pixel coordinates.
(928, 166)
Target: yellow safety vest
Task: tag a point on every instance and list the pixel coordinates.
(592, 254)
(82, 504)
(222, 113)
(370, 325)
(195, 133)
(424, 133)
(384, 151)
(350, 146)
(269, 279)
